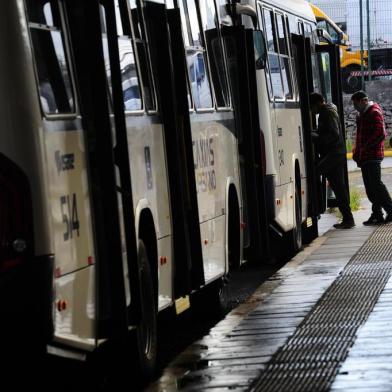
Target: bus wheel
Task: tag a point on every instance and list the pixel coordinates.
(234, 234)
(297, 230)
(145, 338)
(351, 84)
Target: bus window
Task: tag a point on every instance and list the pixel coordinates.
(273, 57)
(301, 28)
(293, 25)
(308, 30)
(195, 53)
(282, 42)
(333, 33)
(215, 52)
(325, 76)
(143, 55)
(43, 12)
(284, 57)
(316, 73)
(129, 73)
(54, 83)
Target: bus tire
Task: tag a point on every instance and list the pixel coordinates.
(297, 229)
(145, 336)
(234, 232)
(351, 84)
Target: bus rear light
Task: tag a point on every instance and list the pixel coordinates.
(16, 238)
(57, 272)
(61, 305)
(243, 225)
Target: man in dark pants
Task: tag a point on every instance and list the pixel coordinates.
(332, 148)
(368, 153)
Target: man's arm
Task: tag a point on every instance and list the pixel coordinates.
(378, 128)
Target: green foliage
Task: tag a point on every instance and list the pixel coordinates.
(349, 145)
(355, 202)
(355, 199)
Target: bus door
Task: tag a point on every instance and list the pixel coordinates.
(84, 21)
(167, 51)
(240, 52)
(328, 59)
(316, 185)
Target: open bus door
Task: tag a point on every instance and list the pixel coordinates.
(170, 68)
(328, 59)
(86, 39)
(316, 185)
(240, 52)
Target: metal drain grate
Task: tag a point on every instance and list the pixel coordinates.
(310, 359)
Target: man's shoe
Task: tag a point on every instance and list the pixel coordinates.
(388, 218)
(374, 220)
(344, 225)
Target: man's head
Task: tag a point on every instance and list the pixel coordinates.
(317, 101)
(360, 100)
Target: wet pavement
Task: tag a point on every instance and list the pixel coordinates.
(241, 349)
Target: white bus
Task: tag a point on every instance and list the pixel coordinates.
(125, 164)
(291, 65)
(147, 149)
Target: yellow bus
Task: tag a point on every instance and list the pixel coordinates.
(350, 61)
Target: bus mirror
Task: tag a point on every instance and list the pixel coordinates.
(323, 36)
(260, 49)
(342, 39)
(244, 9)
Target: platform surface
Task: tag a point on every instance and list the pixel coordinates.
(322, 323)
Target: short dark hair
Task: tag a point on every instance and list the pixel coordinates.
(315, 98)
(359, 95)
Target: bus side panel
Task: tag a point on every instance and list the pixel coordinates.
(213, 235)
(290, 147)
(74, 315)
(149, 175)
(216, 159)
(150, 185)
(69, 198)
(165, 272)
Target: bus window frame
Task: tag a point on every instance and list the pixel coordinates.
(125, 26)
(224, 57)
(292, 60)
(63, 29)
(288, 56)
(272, 97)
(301, 27)
(308, 29)
(134, 40)
(261, 23)
(188, 31)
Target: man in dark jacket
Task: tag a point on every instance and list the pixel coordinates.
(332, 148)
(368, 153)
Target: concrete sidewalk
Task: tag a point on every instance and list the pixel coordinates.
(239, 349)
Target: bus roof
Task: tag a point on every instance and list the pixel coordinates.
(296, 7)
(321, 15)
